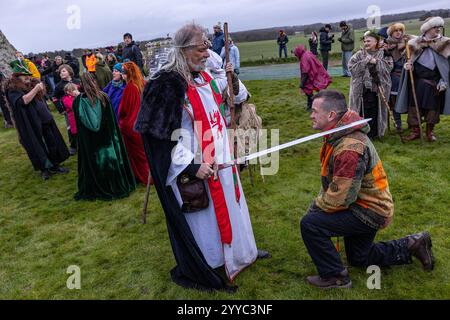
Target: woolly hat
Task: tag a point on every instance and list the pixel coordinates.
(395, 26)
(118, 67)
(383, 33)
(431, 23)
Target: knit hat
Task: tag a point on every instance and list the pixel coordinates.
(395, 26)
(431, 23)
(118, 67)
(19, 69)
(383, 33)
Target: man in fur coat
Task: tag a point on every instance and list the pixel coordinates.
(396, 47)
(185, 137)
(430, 54)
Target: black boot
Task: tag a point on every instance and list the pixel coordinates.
(263, 254)
(419, 245)
(58, 169)
(45, 174)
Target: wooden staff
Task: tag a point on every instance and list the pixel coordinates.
(229, 76)
(413, 87)
(147, 198)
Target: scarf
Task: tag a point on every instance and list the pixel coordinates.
(427, 59)
(117, 84)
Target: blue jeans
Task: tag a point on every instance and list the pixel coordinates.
(318, 227)
(346, 56)
(281, 50)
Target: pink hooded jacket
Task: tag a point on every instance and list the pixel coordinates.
(318, 77)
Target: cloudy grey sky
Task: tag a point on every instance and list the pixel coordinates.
(41, 25)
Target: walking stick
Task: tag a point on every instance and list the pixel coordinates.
(413, 87)
(147, 197)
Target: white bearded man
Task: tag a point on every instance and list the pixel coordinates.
(185, 136)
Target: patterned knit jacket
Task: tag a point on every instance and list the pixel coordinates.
(353, 177)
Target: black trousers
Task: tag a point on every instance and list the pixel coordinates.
(370, 102)
(318, 227)
(325, 58)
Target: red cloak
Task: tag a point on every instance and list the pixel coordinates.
(128, 112)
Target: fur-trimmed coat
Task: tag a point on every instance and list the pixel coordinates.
(362, 79)
(441, 53)
(396, 47)
(162, 106)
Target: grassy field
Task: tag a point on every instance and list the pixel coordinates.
(264, 50)
(44, 231)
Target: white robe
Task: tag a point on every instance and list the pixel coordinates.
(242, 251)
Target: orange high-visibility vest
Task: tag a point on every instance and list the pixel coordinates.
(91, 62)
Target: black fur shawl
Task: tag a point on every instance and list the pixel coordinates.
(162, 106)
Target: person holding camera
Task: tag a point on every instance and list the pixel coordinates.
(325, 44)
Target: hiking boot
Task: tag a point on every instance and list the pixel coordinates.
(415, 134)
(341, 281)
(45, 174)
(419, 245)
(430, 134)
(58, 169)
(263, 254)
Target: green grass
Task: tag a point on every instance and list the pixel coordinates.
(268, 49)
(44, 231)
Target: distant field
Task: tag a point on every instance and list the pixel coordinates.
(263, 50)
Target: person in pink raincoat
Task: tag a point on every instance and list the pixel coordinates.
(314, 77)
(71, 92)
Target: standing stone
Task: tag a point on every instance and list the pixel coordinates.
(7, 54)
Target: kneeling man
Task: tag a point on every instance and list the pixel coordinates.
(354, 202)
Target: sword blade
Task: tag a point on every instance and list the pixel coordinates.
(291, 144)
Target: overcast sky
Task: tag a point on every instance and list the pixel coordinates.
(39, 25)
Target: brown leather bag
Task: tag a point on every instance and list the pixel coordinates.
(193, 193)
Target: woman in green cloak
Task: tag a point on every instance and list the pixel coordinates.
(104, 171)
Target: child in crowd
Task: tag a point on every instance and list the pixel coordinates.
(71, 92)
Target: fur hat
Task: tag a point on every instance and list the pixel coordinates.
(431, 23)
(395, 26)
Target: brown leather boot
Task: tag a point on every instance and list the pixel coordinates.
(414, 135)
(419, 245)
(339, 281)
(430, 134)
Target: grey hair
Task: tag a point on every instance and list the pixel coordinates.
(185, 38)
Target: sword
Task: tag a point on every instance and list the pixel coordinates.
(260, 154)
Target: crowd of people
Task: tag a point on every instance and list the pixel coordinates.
(171, 131)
